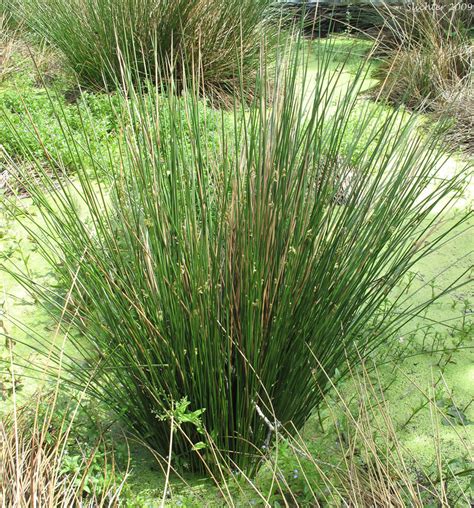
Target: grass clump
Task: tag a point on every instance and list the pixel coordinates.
(8, 46)
(428, 60)
(222, 38)
(217, 289)
(42, 463)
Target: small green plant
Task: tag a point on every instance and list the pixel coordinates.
(30, 128)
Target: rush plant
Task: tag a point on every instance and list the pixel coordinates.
(428, 56)
(221, 37)
(218, 286)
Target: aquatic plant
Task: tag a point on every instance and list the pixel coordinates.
(222, 38)
(218, 288)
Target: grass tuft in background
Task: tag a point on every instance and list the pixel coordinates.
(220, 40)
(428, 62)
